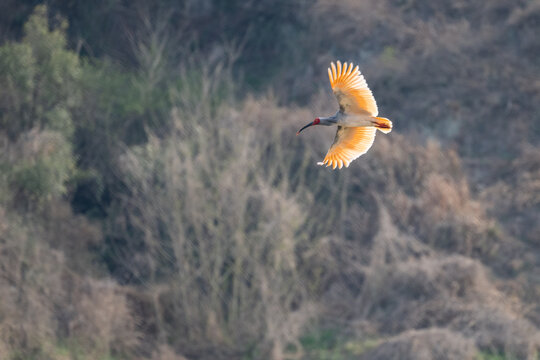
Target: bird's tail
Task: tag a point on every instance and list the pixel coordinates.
(383, 124)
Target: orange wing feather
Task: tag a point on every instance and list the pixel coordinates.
(351, 90)
(349, 144)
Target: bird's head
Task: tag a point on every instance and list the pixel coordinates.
(314, 122)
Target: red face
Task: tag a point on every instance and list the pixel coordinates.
(315, 122)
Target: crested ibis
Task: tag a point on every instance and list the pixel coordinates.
(356, 118)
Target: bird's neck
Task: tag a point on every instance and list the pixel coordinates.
(330, 120)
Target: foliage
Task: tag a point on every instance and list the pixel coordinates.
(38, 167)
(40, 92)
(41, 77)
(486, 355)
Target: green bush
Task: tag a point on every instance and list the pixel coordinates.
(39, 167)
(41, 79)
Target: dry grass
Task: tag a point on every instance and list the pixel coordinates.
(515, 198)
(440, 344)
(453, 292)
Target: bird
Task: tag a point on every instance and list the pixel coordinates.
(356, 119)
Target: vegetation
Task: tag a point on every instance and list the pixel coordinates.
(156, 204)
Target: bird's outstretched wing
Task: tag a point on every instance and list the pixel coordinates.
(349, 144)
(351, 90)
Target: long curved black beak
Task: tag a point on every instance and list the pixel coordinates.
(308, 125)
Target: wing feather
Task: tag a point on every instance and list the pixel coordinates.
(351, 90)
(349, 144)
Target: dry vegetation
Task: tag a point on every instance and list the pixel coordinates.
(155, 203)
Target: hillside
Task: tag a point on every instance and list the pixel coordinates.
(155, 202)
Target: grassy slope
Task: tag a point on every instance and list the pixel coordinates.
(211, 233)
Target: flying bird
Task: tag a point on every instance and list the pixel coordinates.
(356, 118)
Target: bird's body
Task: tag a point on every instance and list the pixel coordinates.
(347, 120)
(356, 118)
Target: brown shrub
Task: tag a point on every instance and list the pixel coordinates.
(496, 329)
(451, 292)
(214, 221)
(30, 277)
(98, 317)
(440, 344)
(423, 293)
(427, 196)
(165, 352)
(44, 303)
(75, 235)
(515, 198)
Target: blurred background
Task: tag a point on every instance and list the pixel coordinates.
(155, 202)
